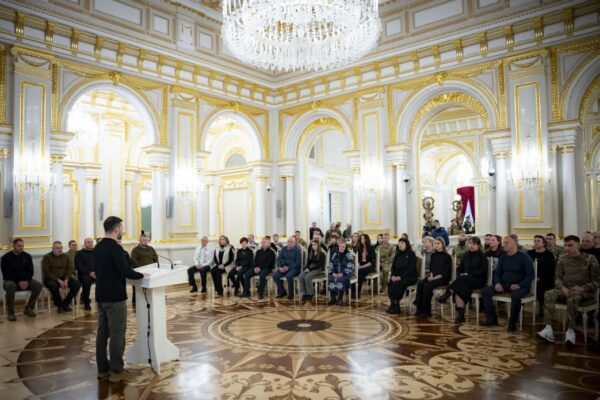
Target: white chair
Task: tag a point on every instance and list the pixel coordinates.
(476, 295)
(412, 289)
(256, 279)
(321, 278)
(372, 276)
(353, 280)
(19, 295)
(440, 290)
(529, 298)
(583, 308)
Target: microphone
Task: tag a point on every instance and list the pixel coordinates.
(166, 258)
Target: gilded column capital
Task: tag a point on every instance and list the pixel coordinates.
(569, 148)
(4, 153)
(501, 155)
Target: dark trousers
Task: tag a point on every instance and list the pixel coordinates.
(10, 288)
(515, 306)
(425, 293)
(397, 289)
(203, 271)
(289, 276)
(53, 287)
(216, 273)
(86, 286)
(112, 323)
(464, 285)
(362, 274)
(262, 280)
(236, 277)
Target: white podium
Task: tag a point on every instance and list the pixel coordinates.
(156, 346)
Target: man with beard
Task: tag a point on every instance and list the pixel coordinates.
(112, 268)
(460, 249)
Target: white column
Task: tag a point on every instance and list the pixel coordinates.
(212, 212)
(260, 188)
(401, 206)
(501, 194)
(595, 200)
(290, 224)
(356, 199)
(58, 209)
(88, 208)
(158, 204)
(569, 195)
(129, 206)
(4, 188)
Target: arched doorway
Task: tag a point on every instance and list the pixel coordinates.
(106, 159)
(235, 195)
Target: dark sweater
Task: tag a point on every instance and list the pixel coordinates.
(405, 265)
(494, 254)
(546, 267)
(441, 264)
(17, 268)
(312, 231)
(84, 262)
(57, 267)
(244, 258)
(264, 259)
(475, 264)
(517, 268)
(313, 263)
(112, 268)
(370, 256)
(141, 256)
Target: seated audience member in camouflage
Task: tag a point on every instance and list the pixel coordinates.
(577, 278)
(553, 247)
(386, 256)
(460, 249)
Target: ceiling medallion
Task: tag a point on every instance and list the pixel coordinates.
(291, 35)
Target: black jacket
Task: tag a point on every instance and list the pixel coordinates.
(475, 264)
(265, 259)
(546, 267)
(84, 262)
(112, 268)
(313, 263)
(405, 265)
(371, 256)
(17, 268)
(312, 231)
(441, 264)
(244, 258)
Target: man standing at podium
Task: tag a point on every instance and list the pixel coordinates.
(112, 268)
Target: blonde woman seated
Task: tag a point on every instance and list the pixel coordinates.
(339, 272)
(315, 261)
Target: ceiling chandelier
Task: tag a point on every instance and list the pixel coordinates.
(290, 35)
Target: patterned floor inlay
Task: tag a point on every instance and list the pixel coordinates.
(246, 349)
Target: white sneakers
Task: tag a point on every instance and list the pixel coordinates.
(548, 334)
(570, 336)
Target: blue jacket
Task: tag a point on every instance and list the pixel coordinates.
(441, 232)
(290, 258)
(517, 268)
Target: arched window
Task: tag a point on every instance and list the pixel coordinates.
(235, 160)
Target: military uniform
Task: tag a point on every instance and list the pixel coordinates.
(582, 270)
(458, 252)
(386, 256)
(557, 251)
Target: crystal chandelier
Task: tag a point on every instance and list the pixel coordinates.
(186, 181)
(527, 167)
(284, 35)
(84, 126)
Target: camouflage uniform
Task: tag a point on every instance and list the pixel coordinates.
(582, 270)
(557, 251)
(458, 252)
(386, 256)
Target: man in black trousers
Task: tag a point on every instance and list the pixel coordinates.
(112, 268)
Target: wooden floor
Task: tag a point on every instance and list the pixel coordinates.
(250, 349)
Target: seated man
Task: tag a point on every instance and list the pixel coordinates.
(243, 263)
(299, 241)
(86, 270)
(17, 273)
(203, 259)
(386, 256)
(577, 278)
(513, 274)
(58, 271)
(440, 231)
(251, 242)
(141, 255)
(264, 261)
(288, 266)
(276, 244)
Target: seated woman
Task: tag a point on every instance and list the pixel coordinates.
(402, 274)
(470, 275)
(339, 272)
(440, 271)
(244, 259)
(495, 250)
(353, 246)
(222, 260)
(315, 261)
(366, 260)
